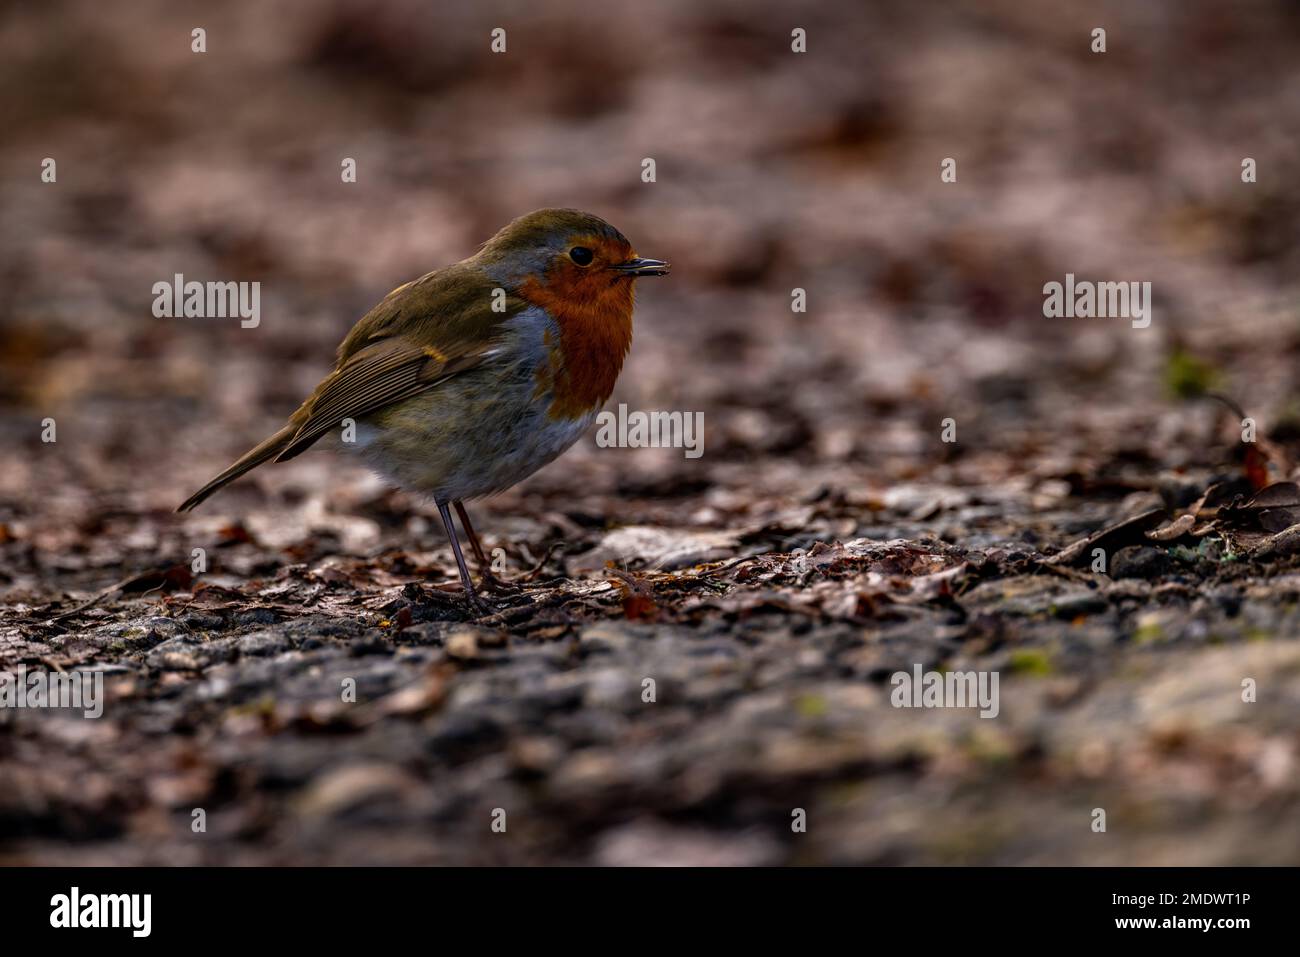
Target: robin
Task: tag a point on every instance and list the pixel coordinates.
(469, 379)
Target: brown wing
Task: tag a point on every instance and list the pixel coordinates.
(382, 361)
(377, 375)
(421, 334)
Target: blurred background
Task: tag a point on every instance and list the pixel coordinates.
(775, 171)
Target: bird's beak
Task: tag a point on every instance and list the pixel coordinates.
(643, 267)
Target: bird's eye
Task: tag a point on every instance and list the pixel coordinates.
(581, 255)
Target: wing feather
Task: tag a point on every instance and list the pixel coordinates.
(452, 311)
(377, 375)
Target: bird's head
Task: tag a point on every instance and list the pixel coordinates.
(581, 271)
(568, 254)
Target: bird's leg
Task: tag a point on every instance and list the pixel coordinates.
(475, 602)
(473, 538)
(490, 580)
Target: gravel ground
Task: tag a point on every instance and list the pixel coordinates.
(691, 660)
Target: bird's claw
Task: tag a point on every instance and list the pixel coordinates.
(478, 606)
(492, 583)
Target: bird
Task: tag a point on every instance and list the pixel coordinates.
(465, 381)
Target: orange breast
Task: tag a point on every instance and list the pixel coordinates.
(595, 319)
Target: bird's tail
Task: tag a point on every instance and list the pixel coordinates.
(251, 459)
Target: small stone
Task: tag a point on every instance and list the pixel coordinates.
(174, 661)
(604, 637)
(1079, 604)
(262, 643)
(1140, 561)
(340, 791)
(197, 621)
(257, 616)
(463, 643)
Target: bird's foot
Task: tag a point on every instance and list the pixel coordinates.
(478, 606)
(492, 583)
